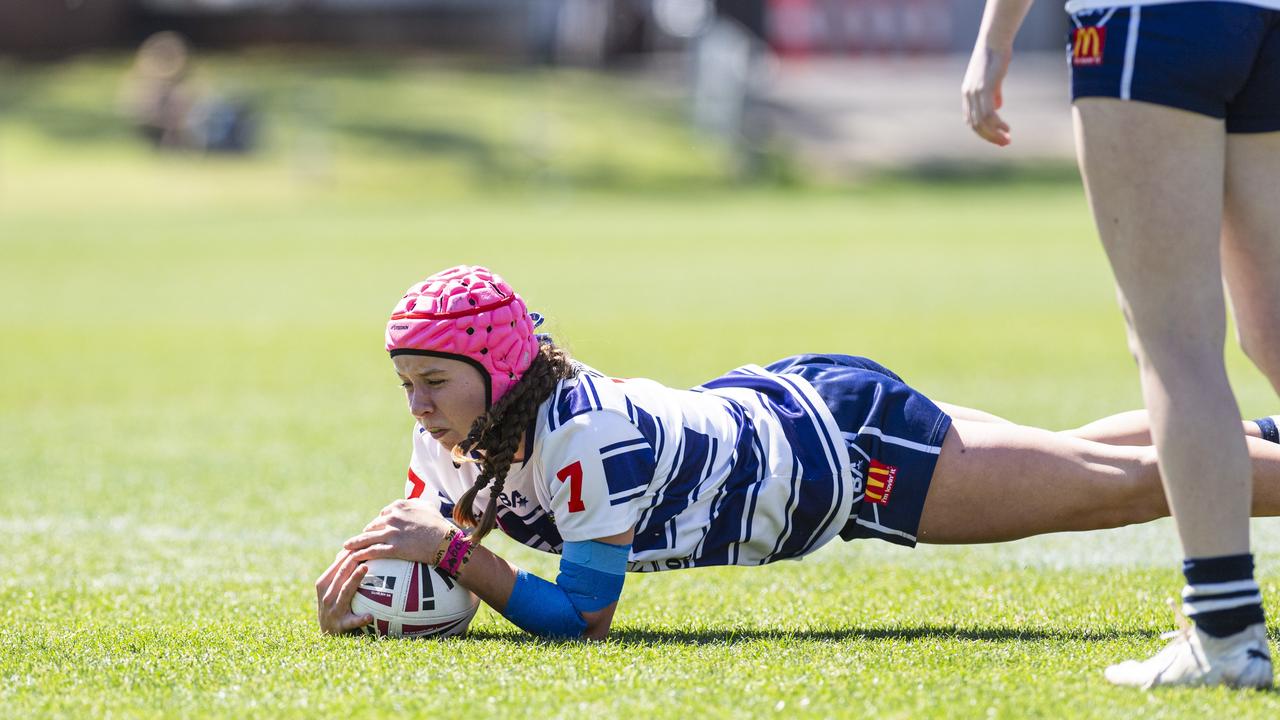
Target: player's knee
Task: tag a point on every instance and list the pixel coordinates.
(1135, 496)
(1262, 347)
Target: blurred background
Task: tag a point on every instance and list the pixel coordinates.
(773, 90)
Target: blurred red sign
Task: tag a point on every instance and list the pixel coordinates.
(811, 27)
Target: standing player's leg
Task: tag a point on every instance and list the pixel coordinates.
(996, 482)
(1154, 177)
(1251, 242)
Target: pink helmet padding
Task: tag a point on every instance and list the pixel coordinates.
(470, 312)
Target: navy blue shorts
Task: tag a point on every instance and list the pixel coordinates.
(1220, 59)
(893, 433)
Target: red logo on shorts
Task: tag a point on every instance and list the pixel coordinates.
(880, 479)
(1087, 44)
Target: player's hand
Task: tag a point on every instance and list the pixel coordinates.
(334, 590)
(405, 529)
(981, 94)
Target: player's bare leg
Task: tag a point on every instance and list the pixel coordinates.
(1251, 246)
(1024, 481)
(960, 412)
(1150, 173)
(1132, 427)
(1154, 178)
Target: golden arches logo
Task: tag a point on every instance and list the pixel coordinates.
(880, 480)
(1086, 46)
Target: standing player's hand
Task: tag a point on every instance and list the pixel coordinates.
(334, 590)
(405, 529)
(981, 93)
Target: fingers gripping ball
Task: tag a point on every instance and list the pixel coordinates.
(413, 600)
(470, 313)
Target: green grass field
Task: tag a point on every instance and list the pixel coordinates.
(195, 408)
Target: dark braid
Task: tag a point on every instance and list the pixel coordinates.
(497, 434)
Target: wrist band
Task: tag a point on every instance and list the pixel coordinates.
(444, 546)
(456, 555)
(1269, 428)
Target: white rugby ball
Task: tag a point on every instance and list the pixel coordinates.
(413, 600)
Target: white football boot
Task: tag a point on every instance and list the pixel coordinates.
(1193, 657)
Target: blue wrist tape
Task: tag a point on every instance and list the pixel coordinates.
(592, 572)
(539, 607)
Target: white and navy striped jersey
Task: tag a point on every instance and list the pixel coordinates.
(743, 470)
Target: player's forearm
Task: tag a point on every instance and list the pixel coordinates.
(493, 579)
(580, 604)
(1000, 22)
(488, 576)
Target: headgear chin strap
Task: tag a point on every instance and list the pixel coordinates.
(467, 313)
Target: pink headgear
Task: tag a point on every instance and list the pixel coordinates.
(467, 313)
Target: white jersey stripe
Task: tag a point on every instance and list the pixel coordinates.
(623, 449)
(790, 507)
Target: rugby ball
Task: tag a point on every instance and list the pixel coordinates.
(412, 600)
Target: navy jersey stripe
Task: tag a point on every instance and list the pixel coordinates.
(793, 493)
(627, 471)
(726, 529)
(815, 496)
(626, 498)
(553, 412)
(591, 389)
(535, 530)
(638, 442)
(707, 467)
(648, 535)
(755, 498)
(573, 401)
(833, 468)
(681, 490)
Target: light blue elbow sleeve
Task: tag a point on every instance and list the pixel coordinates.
(591, 572)
(591, 576)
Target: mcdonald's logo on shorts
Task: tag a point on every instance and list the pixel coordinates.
(1087, 44)
(880, 479)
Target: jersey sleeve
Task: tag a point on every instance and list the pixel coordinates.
(597, 467)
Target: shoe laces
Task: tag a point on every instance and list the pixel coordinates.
(1185, 626)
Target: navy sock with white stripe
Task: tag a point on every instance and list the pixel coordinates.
(1221, 595)
(1269, 428)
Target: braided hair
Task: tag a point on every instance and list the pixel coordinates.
(497, 434)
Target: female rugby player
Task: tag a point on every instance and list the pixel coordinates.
(1177, 116)
(758, 465)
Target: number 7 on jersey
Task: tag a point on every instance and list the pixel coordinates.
(572, 474)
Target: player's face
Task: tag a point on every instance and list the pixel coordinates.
(446, 396)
